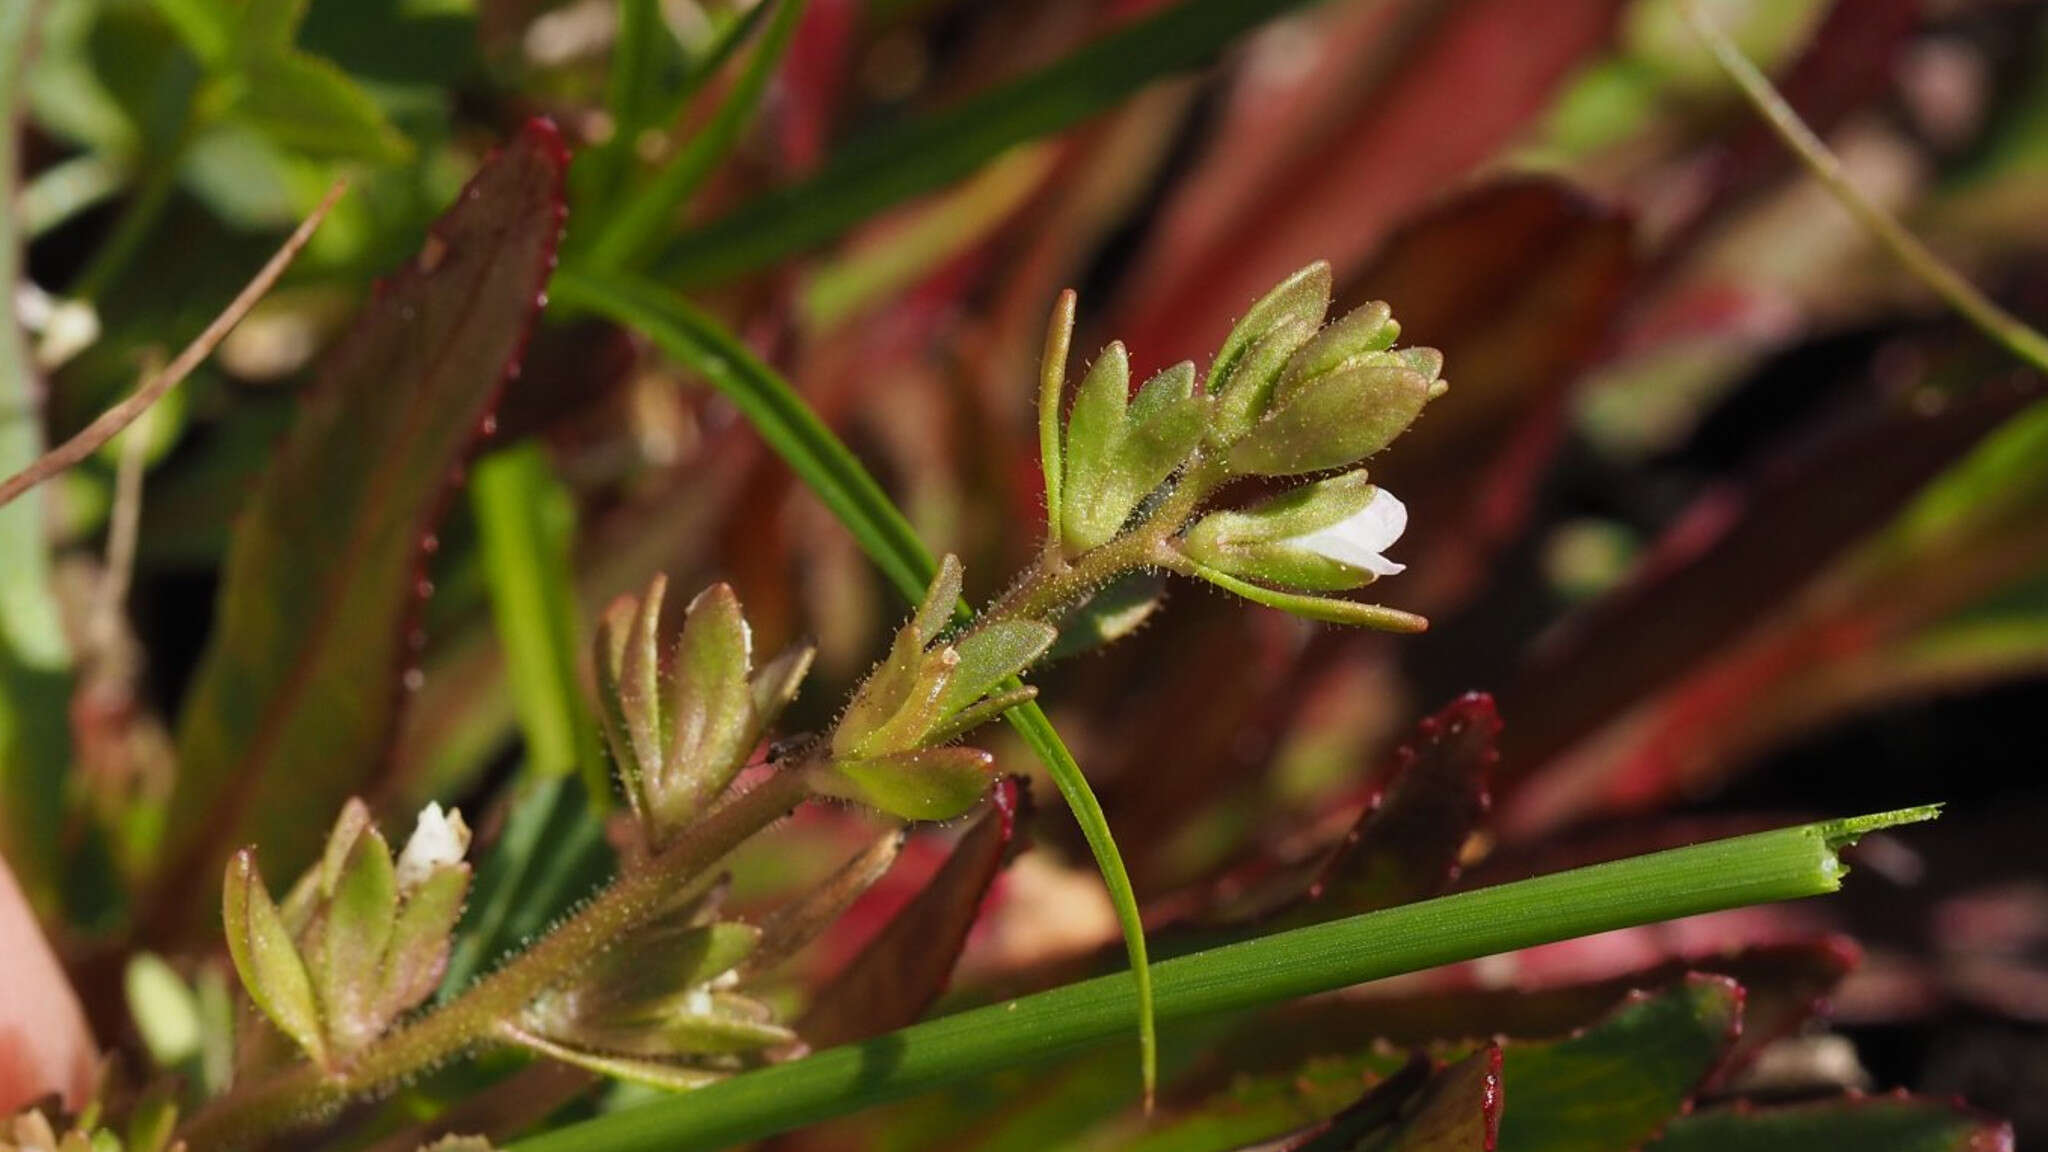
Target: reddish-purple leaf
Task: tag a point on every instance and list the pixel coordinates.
(297, 701)
(1406, 845)
(898, 975)
(1463, 88)
(1458, 1110)
(1729, 560)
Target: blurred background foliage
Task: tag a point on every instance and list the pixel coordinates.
(1733, 521)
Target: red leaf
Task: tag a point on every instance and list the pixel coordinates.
(1727, 562)
(1462, 90)
(1457, 1110)
(900, 973)
(1406, 845)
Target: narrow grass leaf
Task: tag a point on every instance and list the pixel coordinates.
(892, 165)
(1786, 864)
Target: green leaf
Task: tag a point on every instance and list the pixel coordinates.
(417, 955)
(630, 643)
(712, 707)
(975, 715)
(1786, 864)
(1095, 426)
(991, 654)
(165, 1010)
(266, 959)
(1254, 1110)
(1366, 329)
(346, 953)
(689, 1023)
(207, 27)
(1332, 421)
(1164, 424)
(1110, 615)
(662, 1074)
(627, 233)
(1619, 1082)
(858, 502)
(309, 106)
(1284, 318)
(891, 165)
(640, 978)
(883, 697)
(1052, 392)
(1868, 1124)
(936, 609)
(296, 699)
(927, 784)
(269, 27)
(525, 526)
(1323, 608)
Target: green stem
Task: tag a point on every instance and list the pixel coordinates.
(2002, 326)
(478, 1018)
(851, 493)
(1770, 866)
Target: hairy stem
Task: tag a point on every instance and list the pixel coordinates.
(1056, 584)
(478, 1018)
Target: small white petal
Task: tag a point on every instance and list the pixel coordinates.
(1361, 538)
(437, 839)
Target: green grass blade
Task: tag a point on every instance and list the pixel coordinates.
(1766, 867)
(630, 96)
(831, 470)
(648, 211)
(525, 524)
(890, 166)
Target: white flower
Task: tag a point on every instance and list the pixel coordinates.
(438, 839)
(1362, 538)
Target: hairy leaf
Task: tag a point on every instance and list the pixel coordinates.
(265, 957)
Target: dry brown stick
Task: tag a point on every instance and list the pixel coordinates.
(113, 420)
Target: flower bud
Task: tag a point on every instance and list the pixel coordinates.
(1324, 537)
(1296, 304)
(1363, 331)
(1333, 420)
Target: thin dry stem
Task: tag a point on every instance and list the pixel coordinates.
(1958, 293)
(103, 629)
(120, 416)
